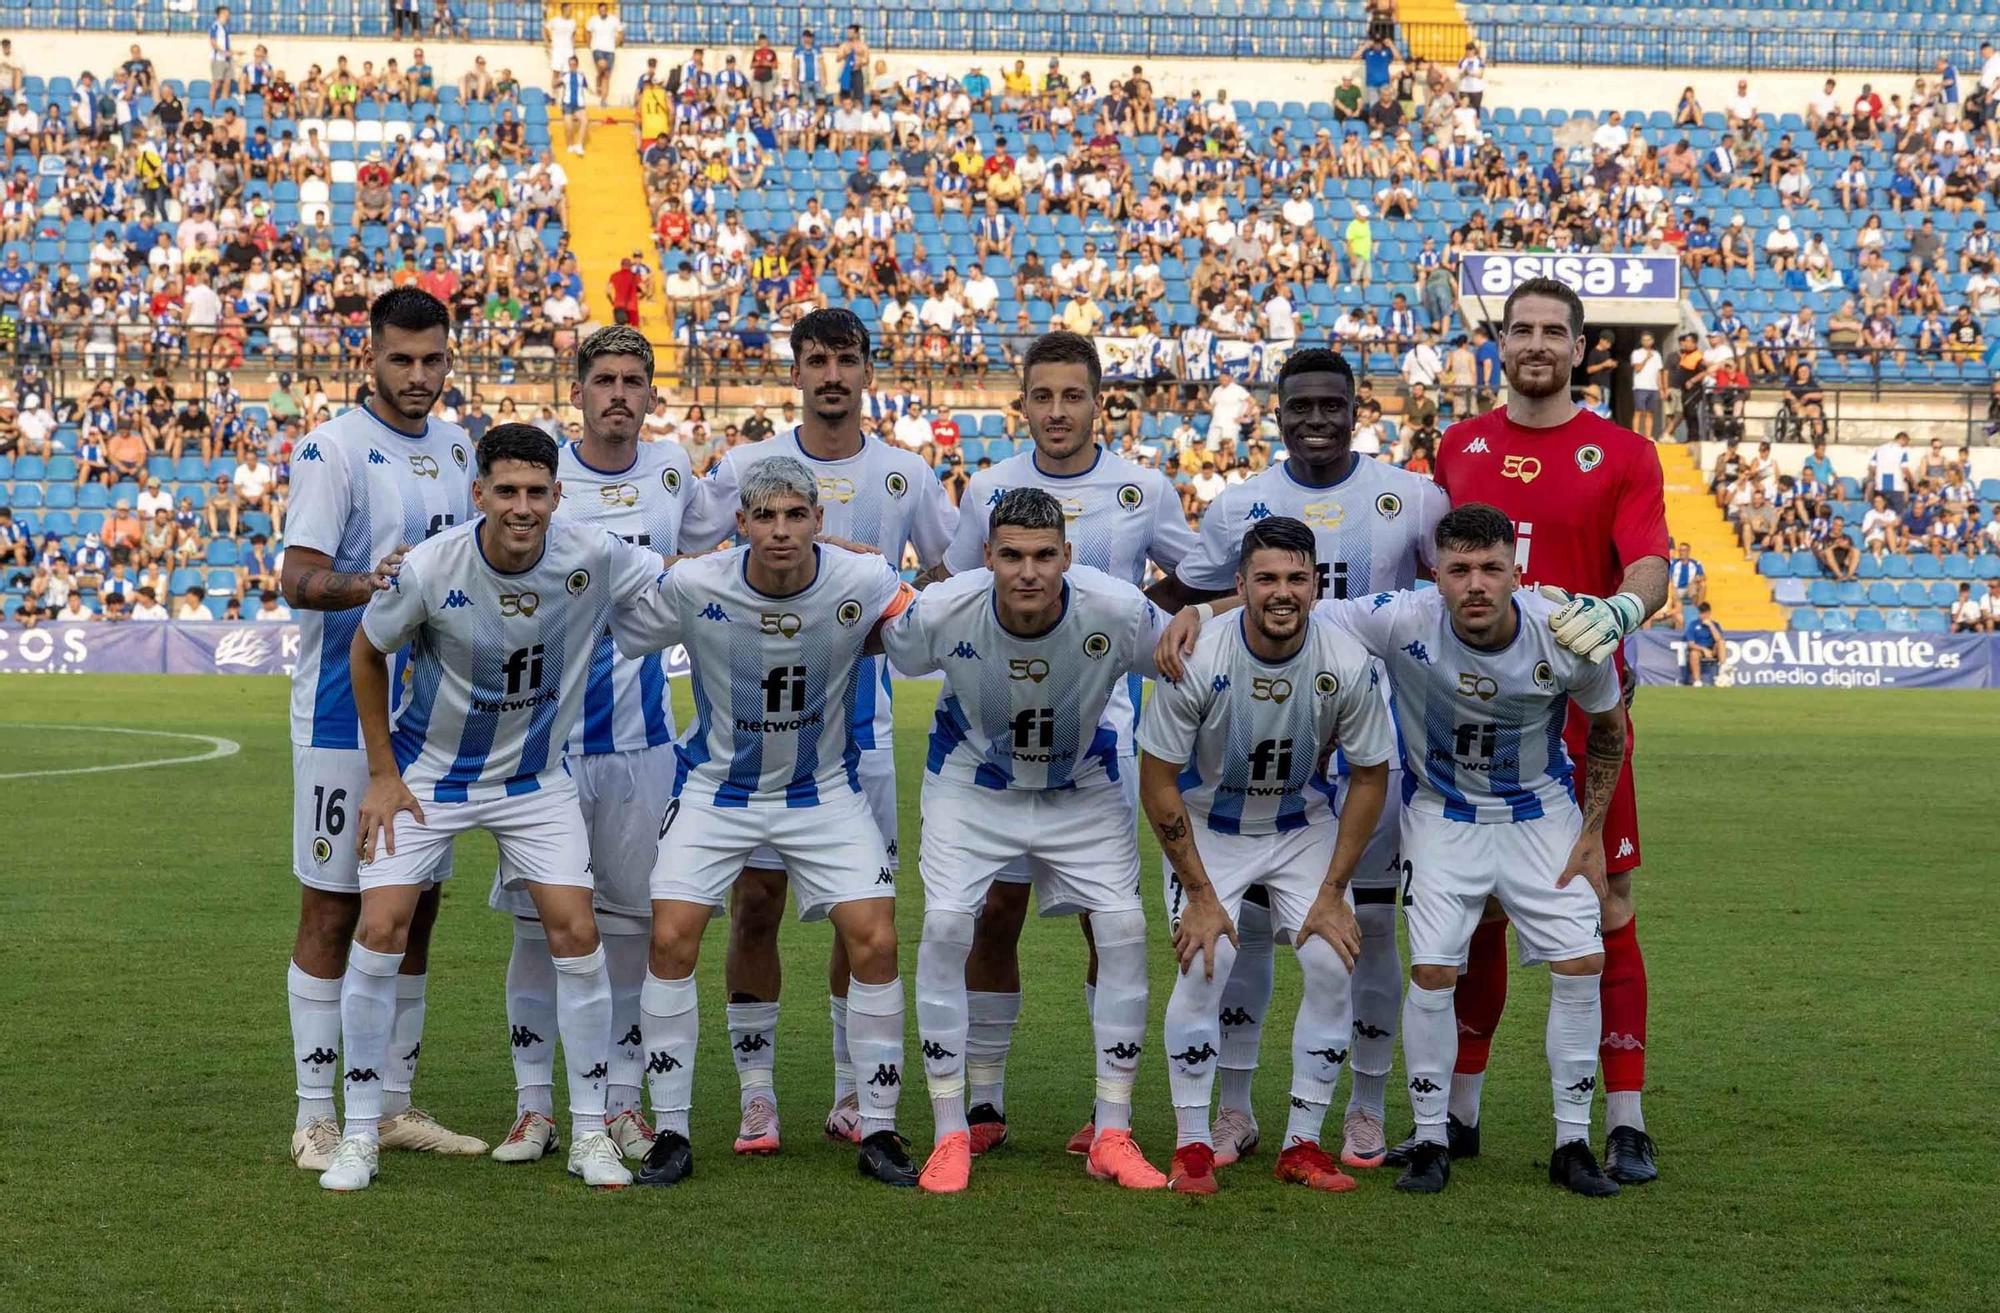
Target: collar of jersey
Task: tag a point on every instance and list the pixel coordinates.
(1034, 462)
(487, 562)
(827, 460)
(576, 451)
(993, 600)
(818, 573)
(1353, 464)
(1243, 636)
(1519, 624)
(407, 437)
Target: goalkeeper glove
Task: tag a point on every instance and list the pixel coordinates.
(1592, 627)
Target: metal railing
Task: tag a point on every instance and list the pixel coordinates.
(1624, 43)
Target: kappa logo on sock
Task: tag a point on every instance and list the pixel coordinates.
(596, 1073)
(886, 1075)
(320, 1057)
(411, 1056)
(659, 1064)
(936, 1052)
(1425, 1085)
(1300, 1104)
(1237, 1017)
(1368, 1030)
(1191, 1056)
(1333, 1057)
(1126, 1052)
(1629, 1043)
(524, 1038)
(362, 1075)
(631, 1037)
(1585, 1086)
(751, 1043)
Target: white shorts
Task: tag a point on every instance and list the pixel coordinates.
(1016, 871)
(623, 796)
(541, 838)
(1290, 867)
(1080, 847)
(327, 787)
(878, 783)
(833, 852)
(1455, 865)
(1381, 864)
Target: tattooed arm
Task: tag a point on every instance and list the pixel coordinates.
(1603, 758)
(1202, 921)
(309, 580)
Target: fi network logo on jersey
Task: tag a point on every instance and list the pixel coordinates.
(714, 612)
(455, 599)
(966, 652)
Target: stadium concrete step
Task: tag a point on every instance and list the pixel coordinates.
(1741, 597)
(608, 218)
(1435, 29)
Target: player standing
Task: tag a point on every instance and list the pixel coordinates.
(870, 493)
(774, 631)
(1586, 500)
(623, 761)
(1372, 528)
(365, 485)
(1484, 685)
(1118, 516)
(503, 613)
(1024, 770)
(1239, 743)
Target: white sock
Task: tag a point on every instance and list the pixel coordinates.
(1576, 1022)
(943, 1014)
(406, 1041)
(1246, 998)
(1192, 1034)
(1466, 1088)
(843, 1060)
(531, 1020)
(1430, 1047)
(1378, 999)
(315, 1009)
(625, 959)
(753, 1029)
(1321, 1037)
(1118, 1017)
(1621, 1108)
(583, 1019)
(367, 1011)
(875, 1037)
(671, 1024)
(989, 1034)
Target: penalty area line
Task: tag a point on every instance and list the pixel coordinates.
(216, 748)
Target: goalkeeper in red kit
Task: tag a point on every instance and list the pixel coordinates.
(1586, 499)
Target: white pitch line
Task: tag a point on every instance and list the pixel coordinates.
(217, 747)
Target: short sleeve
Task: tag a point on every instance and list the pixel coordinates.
(632, 570)
(1211, 566)
(1639, 524)
(1361, 717)
(320, 498)
(1370, 621)
(1172, 541)
(1432, 505)
(1593, 685)
(398, 612)
(711, 513)
(1173, 717)
(934, 527)
(1149, 623)
(651, 620)
(967, 550)
(906, 640)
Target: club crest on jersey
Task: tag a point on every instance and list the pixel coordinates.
(1388, 506)
(896, 484)
(782, 623)
(670, 479)
(1096, 646)
(1270, 690)
(458, 454)
(1545, 678)
(322, 850)
(618, 494)
(849, 613)
(578, 581)
(1131, 496)
(1326, 683)
(1589, 457)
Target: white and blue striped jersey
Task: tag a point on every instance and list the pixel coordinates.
(775, 678)
(626, 705)
(884, 496)
(500, 659)
(1373, 527)
(1119, 515)
(1482, 730)
(359, 490)
(1026, 713)
(1253, 736)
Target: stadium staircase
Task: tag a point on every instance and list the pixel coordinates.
(1741, 597)
(1435, 29)
(607, 208)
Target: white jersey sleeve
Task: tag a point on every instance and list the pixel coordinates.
(933, 523)
(395, 616)
(967, 550)
(711, 512)
(320, 500)
(651, 621)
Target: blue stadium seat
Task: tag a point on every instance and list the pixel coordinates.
(1771, 565)
(1933, 622)
(220, 581)
(1902, 620)
(1898, 567)
(61, 496)
(1927, 567)
(25, 496)
(222, 551)
(1792, 592)
(1914, 593)
(1825, 592)
(1836, 622)
(1882, 593)
(1853, 593)
(62, 469)
(1804, 619)
(217, 606)
(1869, 621)
(1803, 565)
(32, 468)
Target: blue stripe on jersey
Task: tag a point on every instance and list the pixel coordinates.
(1135, 688)
(746, 704)
(524, 783)
(489, 687)
(598, 700)
(1561, 768)
(1440, 766)
(988, 776)
(691, 752)
(850, 748)
(653, 699)
(1189, 778)
(948, 730)
(1225, 807)
(413, 726)
(1104, 747)
(554, 634)
(1505, 777)
(334, 722)
(861, 698)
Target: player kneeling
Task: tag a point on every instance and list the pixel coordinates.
(1023, 766)
(1234, 782)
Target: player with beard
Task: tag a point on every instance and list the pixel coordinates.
(1586, 500)
(366, 485)
(1372, 526)
(884, 498)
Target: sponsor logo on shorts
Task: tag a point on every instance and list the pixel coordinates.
(1625, 848)
(885, 876)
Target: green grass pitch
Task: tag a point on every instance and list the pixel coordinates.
(1817, 910)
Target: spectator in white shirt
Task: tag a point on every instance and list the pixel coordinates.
(148, 607)
(191, 607)
(1298, 210)
(74, 612)
(253, 481)
(1229, 405)
(270, 610)
(1208, 484)
(152, 499)
(1741, 108)
(1422, 363)
(982, 294)
(912, 430)
(1969, 614)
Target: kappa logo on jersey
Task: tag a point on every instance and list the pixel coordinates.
(1258, 511)
(458, 455)
(1276, 690)
(896, 484)
(424, 467)
(618, 494)
(849, 614)
(455, 599)
(1030, 668)
(309, 452)
(936, 1052)
(376, 458)
(782, 623)
(883, 875)
(1544, 677)
(1388, 506)
(1524, 468)
(966, 652)
(1625, 848)
(1326, 683)
(320, 1057)
(1418, 651)
(1332, 1057)
(1096, 646)
(1220, 684)
(1476, 447)
(714, 612)
(670, 479)
(519, 603)
(523, 1037)
(578, 581)
(998, 493)
(1131, 496)
(1191, 1056)
(1589, 457)
(886, 1075)
(1477, 686)
(659, 1064)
